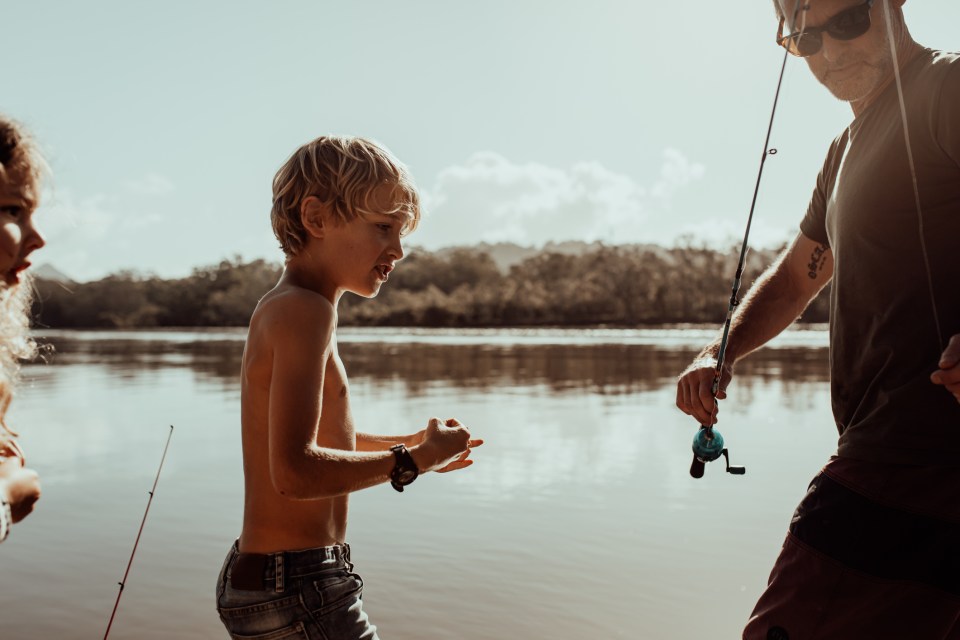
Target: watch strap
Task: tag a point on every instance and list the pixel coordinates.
(6, 519)
(405, 470)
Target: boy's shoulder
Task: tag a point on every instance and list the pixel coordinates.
(289, 312)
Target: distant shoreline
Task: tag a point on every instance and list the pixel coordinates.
(679, 336)
(630, 287)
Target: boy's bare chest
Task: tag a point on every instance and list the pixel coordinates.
(336, 421)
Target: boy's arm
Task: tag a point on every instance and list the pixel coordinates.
(774, 302)
(376, 442)
(300, 328)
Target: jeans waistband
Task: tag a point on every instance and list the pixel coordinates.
(271, 571)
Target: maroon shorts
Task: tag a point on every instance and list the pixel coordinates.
(873, 552)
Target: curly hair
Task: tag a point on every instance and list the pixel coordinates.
(343, 172)
(20, 159)
(21, 165)
(16, 344)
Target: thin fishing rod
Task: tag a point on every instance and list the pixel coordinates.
(123, 582)
(735, 291)
(708, 443)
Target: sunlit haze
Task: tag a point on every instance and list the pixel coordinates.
(522, 122)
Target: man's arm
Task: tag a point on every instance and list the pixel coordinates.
(300, 327)
(774, 302)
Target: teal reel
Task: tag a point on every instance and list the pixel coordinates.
(707, 447)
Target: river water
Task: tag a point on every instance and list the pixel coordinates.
(577, 521)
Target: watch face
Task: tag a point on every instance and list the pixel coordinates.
(406, 476)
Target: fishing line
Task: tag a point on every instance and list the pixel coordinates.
(123, 582)
(913, 174)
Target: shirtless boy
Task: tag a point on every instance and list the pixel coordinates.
(340, 209)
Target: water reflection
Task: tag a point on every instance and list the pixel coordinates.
(586, 369)
(130, 357)
(586, 457)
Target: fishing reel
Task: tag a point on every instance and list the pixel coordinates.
(707, 447)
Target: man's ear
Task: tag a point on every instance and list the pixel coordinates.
(313, 216)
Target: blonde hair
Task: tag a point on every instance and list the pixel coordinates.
(343, 173)
(20, 162)
(16, 344)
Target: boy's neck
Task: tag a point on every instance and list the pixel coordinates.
(300, 272)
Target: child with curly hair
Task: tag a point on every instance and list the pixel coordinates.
(21, 169)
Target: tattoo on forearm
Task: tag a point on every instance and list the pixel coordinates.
(817, 260)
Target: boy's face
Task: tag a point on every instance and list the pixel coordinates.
(18, 235)
(361, 253)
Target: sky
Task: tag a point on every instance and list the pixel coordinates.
(525, 121)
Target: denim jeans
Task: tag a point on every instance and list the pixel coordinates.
(312, 593)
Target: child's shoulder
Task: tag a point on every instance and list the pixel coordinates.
(293, 311)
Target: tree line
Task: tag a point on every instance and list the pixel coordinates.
(612, 285)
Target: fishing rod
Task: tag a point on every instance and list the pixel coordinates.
(707, 442)
(123, 582)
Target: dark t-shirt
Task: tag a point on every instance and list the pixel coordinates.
(883, 338)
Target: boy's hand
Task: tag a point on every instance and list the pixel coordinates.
(462, 460)
(9, 447)
(949, 372)
(415, 439)
(444, 447)
(20, 487)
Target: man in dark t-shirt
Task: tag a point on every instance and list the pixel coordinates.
(871, 550)
(888, 314)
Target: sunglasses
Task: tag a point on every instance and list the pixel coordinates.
(848, 24)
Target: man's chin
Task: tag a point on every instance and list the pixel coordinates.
(845, 91)
(853, 89)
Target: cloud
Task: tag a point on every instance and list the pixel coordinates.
(75, 229)
(152, 184)
(88, 236)
(677, 172)
(63, 215)
(489, 198)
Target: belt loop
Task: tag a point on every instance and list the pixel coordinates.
(278, 566)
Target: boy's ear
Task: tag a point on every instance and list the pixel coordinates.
(313, 216)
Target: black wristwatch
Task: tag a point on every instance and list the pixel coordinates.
(405, 471)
